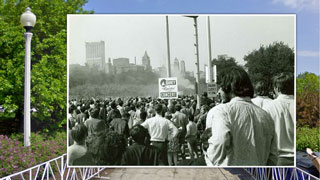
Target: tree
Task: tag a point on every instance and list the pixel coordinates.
(48, 59)
(223, 62)
(267, 61)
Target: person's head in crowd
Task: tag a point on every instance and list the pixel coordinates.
(120, 102)
(126, 116)
(204, 109)
(77, 111)
(262, 88)
(113, 105)
(158, 109)
(235, 81)
(283, 83)
(168, 115)
(177, 107)
(83, 109)
(139, 134)
(92, 104)
(94, 113)
(143, 116)
(191, 118)
(204, 139)
(79, 133)
(112, 148)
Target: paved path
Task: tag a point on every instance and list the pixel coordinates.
(175, 174)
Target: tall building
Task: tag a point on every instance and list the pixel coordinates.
(182, 67)
(109, 67)
(176, 68)
(95, 55)
(146, 62)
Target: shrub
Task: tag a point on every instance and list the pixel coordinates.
(308, 138)
(14, 157)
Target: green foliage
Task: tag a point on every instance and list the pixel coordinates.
(308, 138)
(267, 61)
(49, 62)
(308, 82)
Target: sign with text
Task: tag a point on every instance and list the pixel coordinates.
(212, 90)
(168, 88)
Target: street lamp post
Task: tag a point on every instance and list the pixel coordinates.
(28, 20)
(197, 57)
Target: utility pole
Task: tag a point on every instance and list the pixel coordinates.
(168, 49)
(197, 57)
(210, 56)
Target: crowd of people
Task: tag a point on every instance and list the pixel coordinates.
(243, 126)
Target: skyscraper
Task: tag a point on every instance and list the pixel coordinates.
(176, 68)
(182, 67)
(95, 55)
(146, 62)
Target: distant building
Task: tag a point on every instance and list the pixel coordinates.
(95, 55)
(176, 68)
(146, 62)
(182, 67)
(109, 67)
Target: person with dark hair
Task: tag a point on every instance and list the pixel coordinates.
(191, 137)
(140, 153)
(78, 149)
(242, 133)
(120, 125)
(262, 94)
(143, 117)
(161, 130)
(181, 121)
(111, 149)
(114, 113)
(94, 124)
(81, 118)
(281, 110)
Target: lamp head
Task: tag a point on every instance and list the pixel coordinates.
(28, 19)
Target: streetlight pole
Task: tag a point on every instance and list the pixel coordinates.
(210, 56)
(197, 56)
(28, 20)
(168, 49)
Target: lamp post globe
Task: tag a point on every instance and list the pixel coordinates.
(28, 19)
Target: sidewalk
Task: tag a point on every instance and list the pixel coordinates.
(175, 174)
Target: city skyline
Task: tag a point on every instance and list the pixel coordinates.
(127, 36)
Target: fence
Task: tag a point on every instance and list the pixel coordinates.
(280, 174)
(55, 169)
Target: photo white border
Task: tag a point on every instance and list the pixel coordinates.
(295, 95)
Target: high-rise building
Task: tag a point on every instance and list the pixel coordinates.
(146, 62)
(176, 68)
(95, 55)
(109, 67)
(182, 67)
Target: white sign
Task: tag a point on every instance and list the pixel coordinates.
(168, 88)
(212, 90)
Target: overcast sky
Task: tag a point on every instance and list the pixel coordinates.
(131, 35)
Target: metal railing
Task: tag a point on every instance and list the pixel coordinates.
(56, 169)
(279, 174)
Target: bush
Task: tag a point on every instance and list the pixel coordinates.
(308, 138)
(14, 157)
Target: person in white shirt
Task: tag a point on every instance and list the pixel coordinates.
(261, 91)
(281, 110)
(161, 130)
(242, 133)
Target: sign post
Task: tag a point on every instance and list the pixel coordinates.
(168, 88)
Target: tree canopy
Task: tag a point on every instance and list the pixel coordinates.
(267, 61)
(48, 59)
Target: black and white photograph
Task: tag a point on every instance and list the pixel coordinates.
(185, 90)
